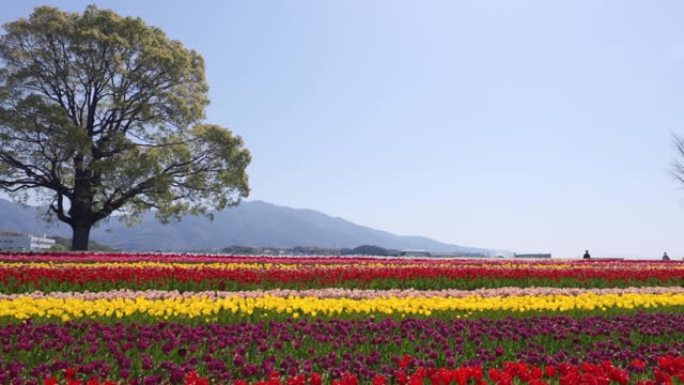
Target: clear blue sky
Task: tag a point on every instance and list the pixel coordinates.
(531, 126)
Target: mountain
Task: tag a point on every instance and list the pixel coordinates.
(253, 223)
(27, 219)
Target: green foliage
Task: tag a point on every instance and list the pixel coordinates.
(101, 113)
(59, 247)
(63, 244)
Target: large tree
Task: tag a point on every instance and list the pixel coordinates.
(678, 165)
(102, 114)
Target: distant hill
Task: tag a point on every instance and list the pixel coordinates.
(253, 223)
(26, 219)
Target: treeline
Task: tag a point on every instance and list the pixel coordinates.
(312, 250)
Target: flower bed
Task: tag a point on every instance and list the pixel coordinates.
(179, 319)
(23, 273)
(251, 351)
(667, 370)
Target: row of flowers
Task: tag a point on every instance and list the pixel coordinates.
(222, 353)
(212, 308)
(118, 258)
(94, 259)
(344, 293)
(107, 257)
(667, 370)
(198, 277)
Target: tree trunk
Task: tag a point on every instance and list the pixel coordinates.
(81, 237)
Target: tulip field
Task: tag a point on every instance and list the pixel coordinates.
(144, 319)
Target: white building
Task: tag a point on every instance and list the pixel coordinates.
(24, 242)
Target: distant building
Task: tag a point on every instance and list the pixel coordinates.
(532, 256)
(24, 242)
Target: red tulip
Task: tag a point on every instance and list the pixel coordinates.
(379, 380)
(316, 379)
